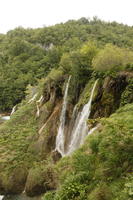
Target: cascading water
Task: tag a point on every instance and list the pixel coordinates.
(60, 135)
(13, 110)
(33, 98)
(1, 197)
(38, 104)
(80, 128)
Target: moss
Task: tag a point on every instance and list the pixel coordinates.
(84, 97)
(102, 163)
(45, 112)
(49, 196)
(14, 182)
(40, 179)
(54, 75)
(108, 102)
(127, 95)
(104, 158)
(14, 139)
(102, 192)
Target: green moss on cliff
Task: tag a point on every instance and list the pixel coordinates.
(127, 96)
(85, 95)
(16, 135)
(102, 167)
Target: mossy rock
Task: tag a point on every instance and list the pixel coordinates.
(102, 192)
(84, 97)
(40, 179)
(45, 112)
(13, 182)
(45, 142)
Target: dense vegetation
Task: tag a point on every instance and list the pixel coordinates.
(34, 67)
(27, 55)
(102, 168)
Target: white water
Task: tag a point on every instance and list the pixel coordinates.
(60, 136)
(33, 98)
(92, 130)
(37, 105)
(1, 197)
(5, 117)
(13, 110)
(41, 99)
(80, 129)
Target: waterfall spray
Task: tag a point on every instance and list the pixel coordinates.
(60, 136)
(80, 128)
(13, 110)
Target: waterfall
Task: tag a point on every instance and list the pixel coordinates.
(92, 130)
(80, 129)
(40, 100)
(38, 105)
(60, 135)
(33, 98)
(13, 109)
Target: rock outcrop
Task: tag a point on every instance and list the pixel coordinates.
(40, 145)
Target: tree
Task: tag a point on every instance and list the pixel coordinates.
(112, 58)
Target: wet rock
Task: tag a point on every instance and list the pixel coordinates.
(56, 156)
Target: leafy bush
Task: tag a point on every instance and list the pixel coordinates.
(72, 189)
(98, 169)
(127, 95)
(112, 58)
(49, 196)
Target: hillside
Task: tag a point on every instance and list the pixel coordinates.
(29, 54)
(70, 137)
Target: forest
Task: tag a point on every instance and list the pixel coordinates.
(27, 55)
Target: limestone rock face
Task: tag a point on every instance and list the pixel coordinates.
(108, 96)
(41, 144)
(56, 156)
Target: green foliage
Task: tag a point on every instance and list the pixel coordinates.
(129, 186)
(72, 189)
(85, 95)
(102, 192)
(127, 95)
(48, 196)
(112, 58)
(82, 62)
(17, 140)
(100, 168)
(27, 55)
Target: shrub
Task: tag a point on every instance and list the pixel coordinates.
(112, 58)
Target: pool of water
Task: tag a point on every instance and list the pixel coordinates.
(5, 117)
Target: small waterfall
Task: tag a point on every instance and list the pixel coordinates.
(1, 197)
(40, 100)
(38, 105)
(80, 128)
(70, 128)
(60, 135)
(92, 130)
(13, 110)
(33, 98)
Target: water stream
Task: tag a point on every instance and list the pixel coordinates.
(80, 129)
(60, 136)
